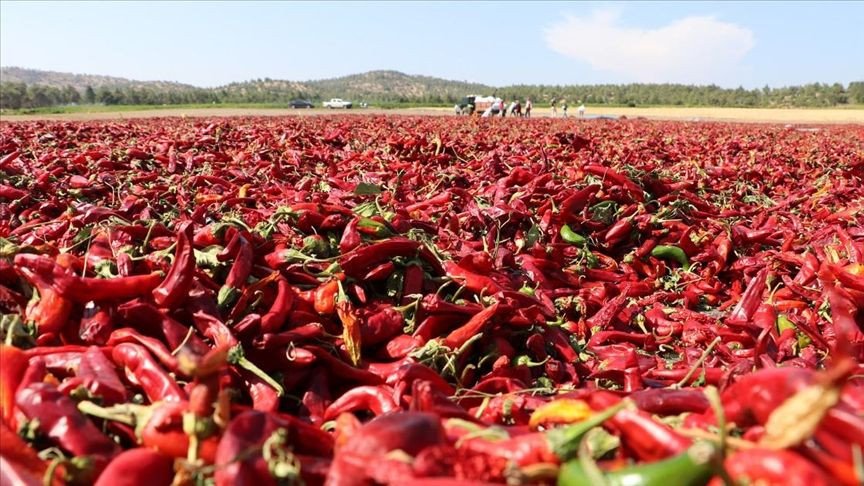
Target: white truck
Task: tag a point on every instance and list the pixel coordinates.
(337, 103)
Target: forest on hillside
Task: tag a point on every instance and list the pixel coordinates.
(22, 89)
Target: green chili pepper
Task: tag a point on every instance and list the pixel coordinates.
(672, 252)
(693, 466)
(571, 236)
(315, 245)
(784, 323)
(564, 441)
(375, 228)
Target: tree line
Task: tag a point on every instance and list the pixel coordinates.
(21, 95)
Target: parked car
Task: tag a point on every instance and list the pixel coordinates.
(337, 103)
(300, 104)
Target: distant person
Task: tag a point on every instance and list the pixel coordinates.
(457, 109)
(512, 108)
(517, 109)
(564, 107)
(502, 108)
(581, 110)
(528, 108)
(554, 105)
(493, 106)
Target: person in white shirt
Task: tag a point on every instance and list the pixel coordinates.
(581, 110)
(528, 107)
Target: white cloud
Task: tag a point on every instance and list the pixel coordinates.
(689, 50)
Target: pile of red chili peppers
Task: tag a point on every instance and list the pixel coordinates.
(392, 300)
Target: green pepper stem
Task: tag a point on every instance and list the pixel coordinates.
(125, 413)
(236, 357)
(698, 363)
(589, 465)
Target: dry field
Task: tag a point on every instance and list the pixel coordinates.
(756, 115)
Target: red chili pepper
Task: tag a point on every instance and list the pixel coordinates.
(808, 269)
(162, 430)
(249, 431)
(96, 325)
(138, 467)
(773, 467)
(634, 190)
(649, 439)
(753, 397)
(96, 374)
(524, 450)
(51, 311)
(146, 373)
(412, 284)
(380, 324)
(750, 301)
(847, 279)
(162, 353)
(846, 329)
(149, 318)
(410, 432)
(239, 273)
(177, 284)
(571, 206)
(361, 260)
(208, 235)
(11, 193)
(265, 398)
(618, 232)
(475, 325)
(342, 370)
(610, 309)
(665, 401)
(350, 237)
(765, 317)
(377, 399)
(276, 317)
(479, 284)
(13, 364)
(59, 419)
(86, 289)
(21, 464)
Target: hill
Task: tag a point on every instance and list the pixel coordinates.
(376, 84)
(80, 82)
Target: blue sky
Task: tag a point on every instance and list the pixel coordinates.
(212, 43)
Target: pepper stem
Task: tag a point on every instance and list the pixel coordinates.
(698, 363)
(190, 428)
(236, 357)
(125, 414)
(589, 465)
(48, 478)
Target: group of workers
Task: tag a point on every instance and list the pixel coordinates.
(499, 107)
(554, 104)
(515, 108)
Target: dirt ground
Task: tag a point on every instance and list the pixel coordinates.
(760, 115)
